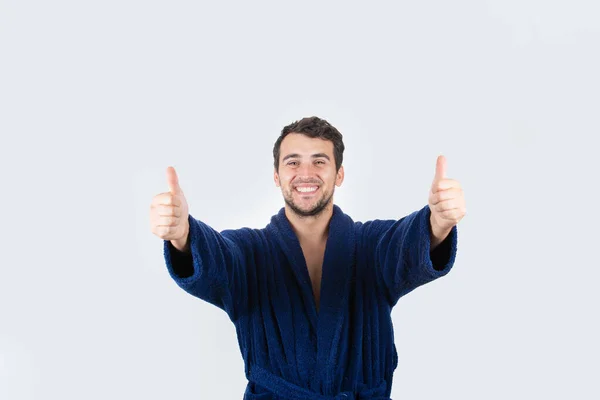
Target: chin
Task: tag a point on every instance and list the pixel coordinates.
(310, 210)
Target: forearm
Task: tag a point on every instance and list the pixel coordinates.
(437, 235)
(403, 252)
(212, 268)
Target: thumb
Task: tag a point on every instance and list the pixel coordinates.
(173, 181)
(440, 169)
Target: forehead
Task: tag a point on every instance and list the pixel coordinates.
(304, 145)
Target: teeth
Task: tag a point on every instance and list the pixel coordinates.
(306, 189)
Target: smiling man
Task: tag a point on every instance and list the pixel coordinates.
(311, 293)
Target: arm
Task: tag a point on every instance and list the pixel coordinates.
(213, 269)
(404, 257)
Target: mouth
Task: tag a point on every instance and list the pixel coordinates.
(306, 190)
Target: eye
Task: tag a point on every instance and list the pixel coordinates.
(320, 162)
(292, 163)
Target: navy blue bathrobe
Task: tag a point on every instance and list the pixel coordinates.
(291, 350)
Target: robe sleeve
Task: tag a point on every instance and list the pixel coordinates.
(403, 256)
(214, 270)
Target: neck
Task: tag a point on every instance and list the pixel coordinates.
(313, 229)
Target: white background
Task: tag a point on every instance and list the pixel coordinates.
(97, 98)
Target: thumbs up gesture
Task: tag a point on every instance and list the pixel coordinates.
(169, 213)
(446, 201)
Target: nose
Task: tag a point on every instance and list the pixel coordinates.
(306, 170)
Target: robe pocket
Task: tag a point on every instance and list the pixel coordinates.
(257, 393)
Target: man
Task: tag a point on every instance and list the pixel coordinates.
(311, 293)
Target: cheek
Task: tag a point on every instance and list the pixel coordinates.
(284, 183)
(333, 178)
(285, 180)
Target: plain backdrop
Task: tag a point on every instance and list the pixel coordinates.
(98, 98)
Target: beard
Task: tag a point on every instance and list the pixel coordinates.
(315, 210)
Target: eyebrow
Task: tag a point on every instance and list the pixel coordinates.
(296, 155)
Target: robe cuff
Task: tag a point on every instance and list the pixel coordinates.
(181, 264)
(441, 254)
(439, 261)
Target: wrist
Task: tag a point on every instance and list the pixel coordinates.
(437, 234)
(183, 244)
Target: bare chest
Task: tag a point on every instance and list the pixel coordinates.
(314, 263)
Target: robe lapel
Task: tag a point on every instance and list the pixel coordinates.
(290, 245)
(338, 266)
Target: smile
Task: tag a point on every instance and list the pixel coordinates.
(307, 189)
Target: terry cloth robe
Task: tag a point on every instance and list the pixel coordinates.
(291, 350)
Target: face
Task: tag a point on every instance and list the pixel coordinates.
(307, 174)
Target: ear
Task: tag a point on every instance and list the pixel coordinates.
(340, 176)
(276, 178)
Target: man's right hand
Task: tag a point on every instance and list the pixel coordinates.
(169, 214)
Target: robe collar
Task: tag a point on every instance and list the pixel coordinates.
(338, 269)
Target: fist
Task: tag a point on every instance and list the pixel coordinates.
(169, 213)
(446, 199)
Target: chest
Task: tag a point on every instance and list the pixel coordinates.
(313, 256)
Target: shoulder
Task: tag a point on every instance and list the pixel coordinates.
(374, 227)
(246, 238)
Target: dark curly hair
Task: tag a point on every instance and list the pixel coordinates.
(313, 127)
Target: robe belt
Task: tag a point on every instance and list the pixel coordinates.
(287, 390)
